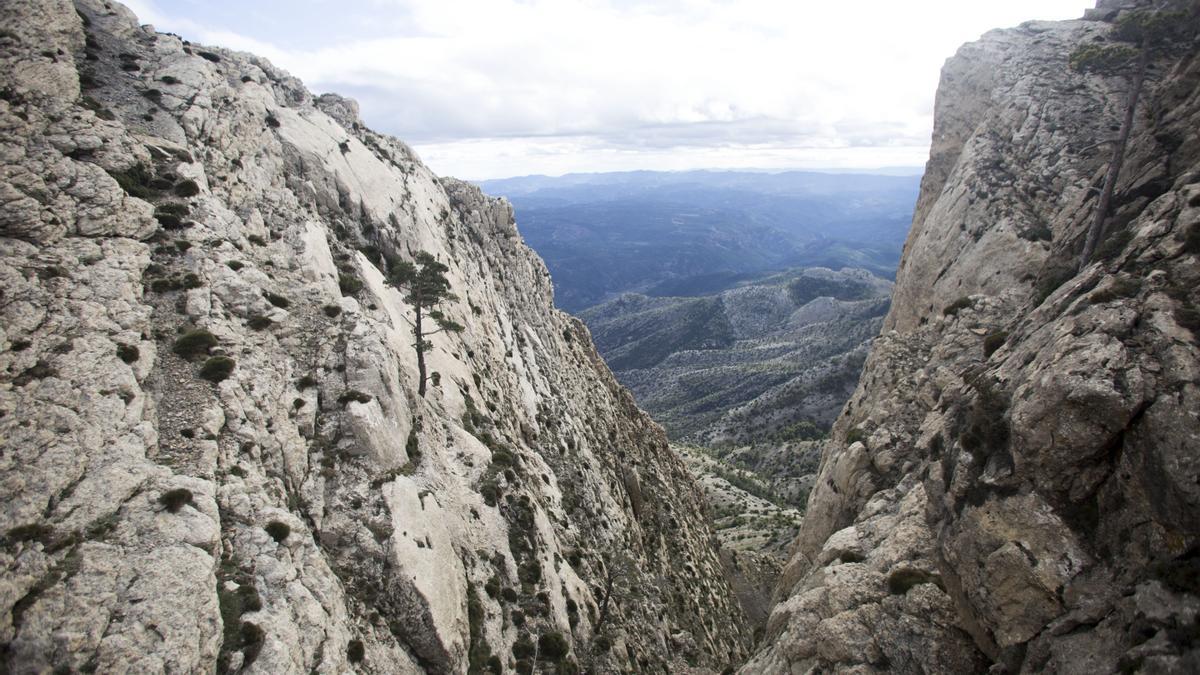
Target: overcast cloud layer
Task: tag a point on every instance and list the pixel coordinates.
(495, 88)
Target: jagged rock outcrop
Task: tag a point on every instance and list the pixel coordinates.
(212, 453)
(1015, 483)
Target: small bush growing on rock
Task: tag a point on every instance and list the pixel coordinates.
(354, 395)
(167, 79)
(192, 280)
(332, 311)
(259, 322)
(217, 368)
(256, 240)
(509, 594)
(272, 121)
(183, 245)
(235, 265)
(187, 188)
(602, 643)
(278, 530)
(31, 532)
(956, 306)
(355, 651)
(174, 500)
(276, 299)
(135, 180)
(349, 283)
(127, 353)
(306, 382)
(523, 648)
(993, 342)
(209, 56)
(1050, 280)
(553, 646)
(855, 435)
(194, 342)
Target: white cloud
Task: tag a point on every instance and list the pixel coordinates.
(500, 87)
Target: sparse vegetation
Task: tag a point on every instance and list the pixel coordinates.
(217, 368)
(426, 289)
(128, 353)
(278, 530)
(175, 500)
(353, 396)
(194, 343)
(994, 341)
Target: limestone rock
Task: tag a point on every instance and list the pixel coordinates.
(1023, 442)
(212, 452)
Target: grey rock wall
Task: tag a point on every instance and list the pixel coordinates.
(1014, 484)
(309, 512)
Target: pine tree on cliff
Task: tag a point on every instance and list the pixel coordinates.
(426, 288)
(1139, 35)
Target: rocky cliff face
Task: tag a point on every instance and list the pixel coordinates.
(1016, 481)
(212, 452)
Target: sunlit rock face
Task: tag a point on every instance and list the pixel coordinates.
(213, 456)
(1016, 482)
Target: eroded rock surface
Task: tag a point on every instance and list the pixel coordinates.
(1014, 485)
(212, 453)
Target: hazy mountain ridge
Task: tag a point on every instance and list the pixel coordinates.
(700, 232)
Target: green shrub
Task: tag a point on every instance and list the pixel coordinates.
(167, 79)
(1050, 280)
(273, 121)
(31, 532)
(217, 368)
(306, 382)
(174, 500)
(355, 651)
(956, 306)
(855, 435)
(194, 342)
(187, 188)
(354, 395)
(235, 265)
(256, 240)
(331, 311)
(128, 353)
(349, 283)
(278, 530)
(523, 648)
(553, 646)
(183, 245)
(135, 180)
(259, 322)
(191, 280)
(993, 342)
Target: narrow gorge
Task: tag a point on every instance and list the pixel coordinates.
(214, 456)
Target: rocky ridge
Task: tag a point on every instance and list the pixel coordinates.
(211, 448)
(1013, 485)
(769, 361)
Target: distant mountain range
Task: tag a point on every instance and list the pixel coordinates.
(697, 233)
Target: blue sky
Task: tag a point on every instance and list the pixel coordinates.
(495, 88)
